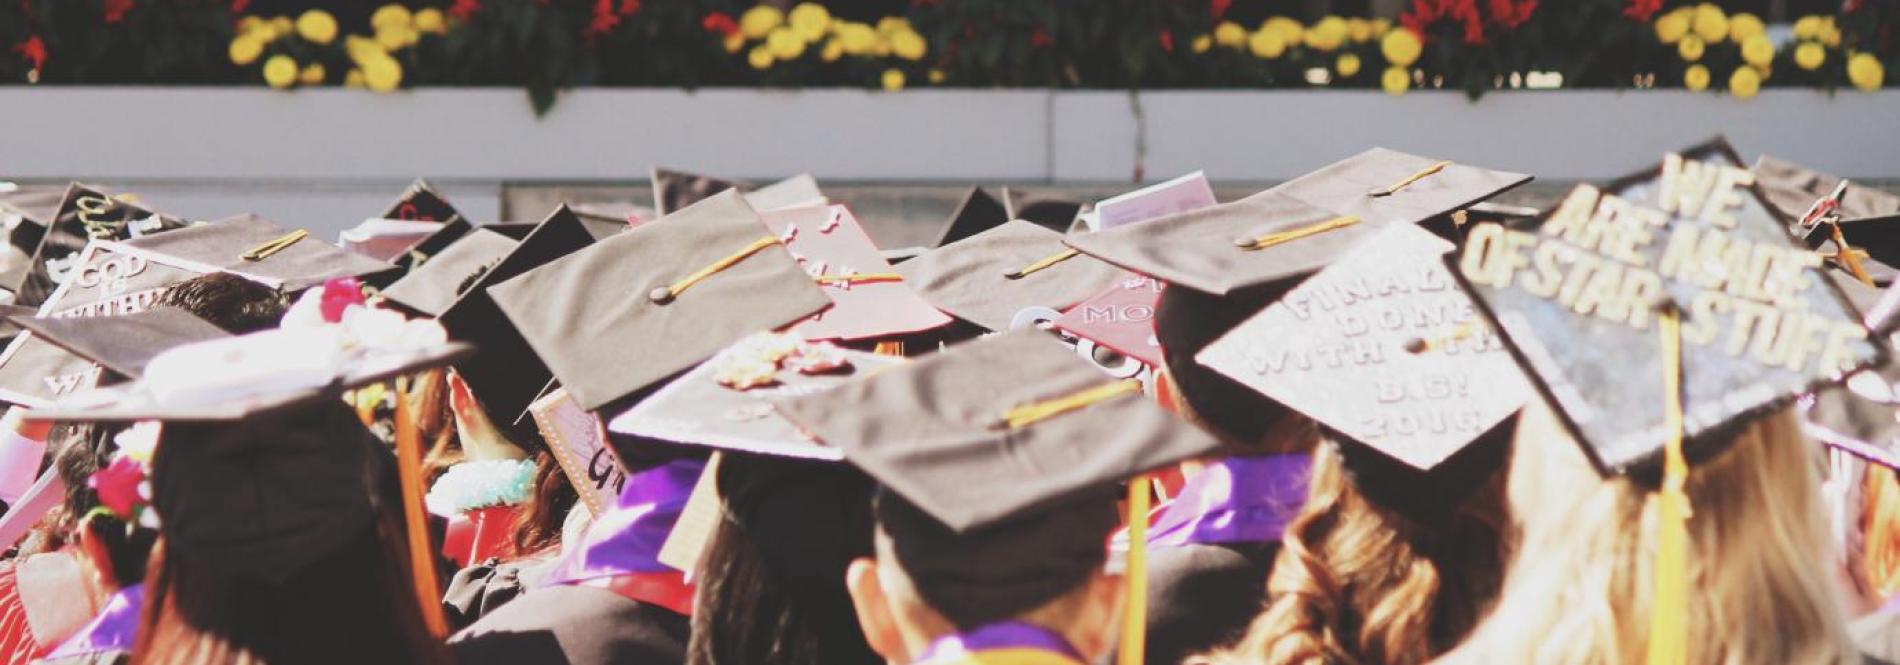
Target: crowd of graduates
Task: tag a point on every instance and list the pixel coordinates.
(1367, 416)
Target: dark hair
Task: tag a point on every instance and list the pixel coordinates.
(228, 301)
(78, 451)
(771, 585)
(354, 605)
(538, 522)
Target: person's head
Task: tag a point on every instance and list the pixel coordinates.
(113, 551)
(236, 304)
(926, 581)
(1580, 587)
(768, 583)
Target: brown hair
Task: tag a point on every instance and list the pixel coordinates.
(429, 400)
(538, 521)
(354, 605)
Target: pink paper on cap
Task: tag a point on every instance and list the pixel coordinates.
(827, 241)
(1120, 318)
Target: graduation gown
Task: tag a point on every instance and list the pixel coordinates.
(574, 624)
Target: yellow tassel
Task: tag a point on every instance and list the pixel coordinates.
(1027, 414)
(281, 243)
(1668, 619)
(421, 555)
(889, 348)
(1045, 262)
(1408, 180)
(668, 293)
(860, 278)
(1134, 638)
(1848, 256)
(1290, 235)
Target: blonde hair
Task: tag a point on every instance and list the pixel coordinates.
(1358, 583)
(1579, 589)
(1880, 529)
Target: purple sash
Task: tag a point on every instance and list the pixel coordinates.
(628, 538)
(1246, 499)
(114, 629)
(999, 637)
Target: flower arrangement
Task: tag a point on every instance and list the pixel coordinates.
(544, 46)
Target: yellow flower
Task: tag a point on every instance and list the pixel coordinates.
(908, 45)
(1696, 78)
(1266, 43)
(1672, 26)
(1710, 23)
(1202, 43)
(250, 24)
(391, 15)
(362, 48)
(353, 79)
(1866, 72)
(382, 74)
(833, 50)
(1690, 48)
(1380, 26)
(392, 37)
(280, 71)
(317, 26)
(857, 38)
(1401, 47)
(431, 21)
(1745, 25)
(893, 24)
(758, 21)
(785, 44)
(1744, 83)
(1347, 65)
(1328, 34)
(882, 47)
(312, 74)
(760, 57)
(282, 25)
(1359, 30)
(1290, 30)
(1830, 34)
(1809, 56)
(1230, 34)
(1807, 27)
(1757, 50)
(893, 80)
(734, 42)
(810, 20)
(936, 76)
(1395, 80)
(245, 50)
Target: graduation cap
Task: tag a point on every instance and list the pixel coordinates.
(1186, 193)
(1383, 347)
(725, 403)
(797, 191)
(445, 235)
(421, 203)
(991, 278)
(1828, 212)
(999, 460)
(978, 212)
(673, 190)
(257, 249)
(1576, 295)
(1860, 416)
(432, 287)
(869, 299)
(123, 344)
(1047, 210)
(85, 214)
(636, 308)
(505, 373)
(1120, 318)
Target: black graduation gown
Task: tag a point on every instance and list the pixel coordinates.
(1201, 596)
(578, 625)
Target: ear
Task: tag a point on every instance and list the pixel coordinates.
(98, 559)
(874, 610)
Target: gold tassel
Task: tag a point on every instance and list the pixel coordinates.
(860, 278)
(667, 293)
(1848, 256)
(1668, 619)
(1044, 262)
(421, 556)
(893, 347)
(1134, 637)
(1027, 414)
(281, 243)
(1408, 180)
(1290, 235)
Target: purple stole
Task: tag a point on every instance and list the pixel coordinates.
(114, 630)
(1246, 499)
(1009, 641)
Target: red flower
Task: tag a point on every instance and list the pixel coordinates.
(1040, 38)
(1512, 13)
(604, 20)
(629, 7)
(115, 9)
(1219, 7)
(1424, 13)
(339, 295)
(118, 486)
(1167, 41)
(33, 50)
(238, 6)
(721, 23)
(1642, 10)
(463, 9)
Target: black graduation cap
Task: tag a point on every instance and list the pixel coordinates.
(674, 190)
(1860, 416)
(1047, 210)
(421, 203)
(123, 344)
(999, 460)
(258, 249)
(990, 278)
(25, 212)
(85, 213)
(432, 287)
(980, 211)
(798, 190)
(1814, 204)
(636, 308)
(505, 374)
(1576, 294)
(423, 251)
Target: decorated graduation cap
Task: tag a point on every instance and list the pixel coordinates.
(420, 202)
(433, 286)
(1589, 297)
(85, 214)
(978, 212)
(1120, 319)
(999, 460)
(257, 249)
(726, 402)
(995, 278)
(123, 344)
(1830, 212)
(673, 190)
(505, 373)
(636, 308)
(869, 299)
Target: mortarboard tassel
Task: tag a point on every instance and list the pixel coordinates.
(421, 556)
(265, 250)
(666, 294)
(1847, 255)
(1290, 235)
(859, 278)
(1028, 414)
(1044, 262)
(1668, 618)
(1134, 637)
(893, 347)
(1407, 181)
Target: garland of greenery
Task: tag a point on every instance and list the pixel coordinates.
(547, 45)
